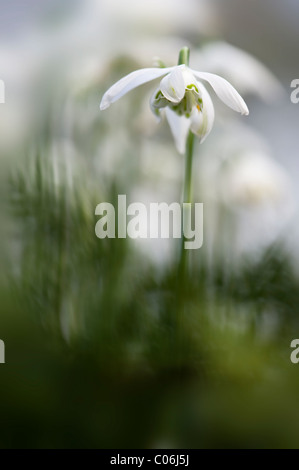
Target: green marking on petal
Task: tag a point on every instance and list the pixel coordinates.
(192, 86)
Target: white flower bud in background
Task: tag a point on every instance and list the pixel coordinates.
(252, 179)
(248, 196)
(243, 70)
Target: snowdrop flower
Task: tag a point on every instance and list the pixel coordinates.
(187, 103)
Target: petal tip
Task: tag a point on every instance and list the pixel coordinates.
(181, 149)
(104, 104)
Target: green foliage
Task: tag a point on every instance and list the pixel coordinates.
(104, 350)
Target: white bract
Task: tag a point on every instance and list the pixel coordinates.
(187, 103)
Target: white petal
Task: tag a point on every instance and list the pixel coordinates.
(179, 126)
(173, 85)
(127, 83)
(225, 91)
(202, 121)
(188, 76)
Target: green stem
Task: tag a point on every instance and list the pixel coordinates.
(187, 194)
(184, 56)
(188, 168)
(183, 274)
(187, 198)
(183, 262)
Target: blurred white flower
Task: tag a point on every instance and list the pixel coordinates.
(186, 101)
(257, 190)
(154, 16)
(252, 179)
(246, 73)
(248, 195)
(242, 172)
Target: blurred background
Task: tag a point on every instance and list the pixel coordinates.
(104, 348)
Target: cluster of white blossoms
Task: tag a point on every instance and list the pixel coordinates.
(187, 103)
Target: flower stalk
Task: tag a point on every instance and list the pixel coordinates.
(184, 55)
(183, 267)
(187, 198)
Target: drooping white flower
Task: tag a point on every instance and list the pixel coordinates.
(187, 103)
